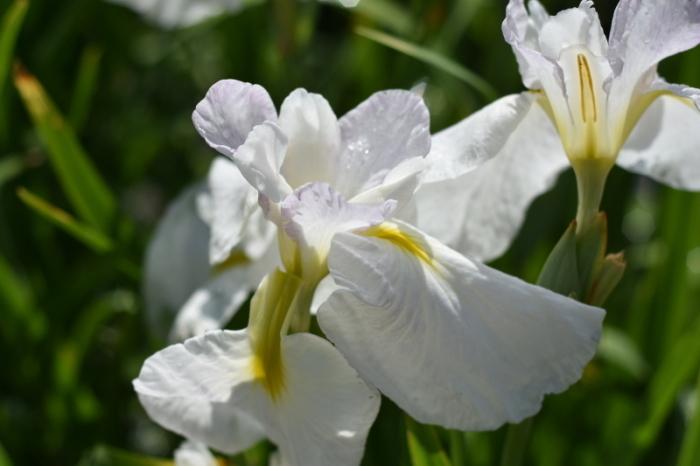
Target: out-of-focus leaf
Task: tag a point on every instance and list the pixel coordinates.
(85, 85)
(517, 441)
(9, 30)
(83, 185)
(431, 58)
(620, 350)
(4, 457)
(681, 362)
(690, 450)
(82, 232)
(10, 166)
(16, 301)
(108, 456)
(424, 445)
(386, 14)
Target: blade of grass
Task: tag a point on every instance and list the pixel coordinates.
(17, 302)
(82, 183)
(424, 445)
(84, 233)
(431, 58)
(9, 30)
(4, 457)
(85, 85)
(386, 14)
(690, 450)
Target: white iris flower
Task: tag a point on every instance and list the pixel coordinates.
(592, 102)
(451, 341)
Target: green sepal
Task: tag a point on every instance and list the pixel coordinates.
(591, 244)
(560, 271)
(606, 280)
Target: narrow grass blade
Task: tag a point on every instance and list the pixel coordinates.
(17, 304)
(680, 363)
(387, 14)
(431, 58)
(85, 85)
(619, 349)
(690, 450)
(9, 30)
(84, 233)
(82, 183)
(424, 445)
(4, 457)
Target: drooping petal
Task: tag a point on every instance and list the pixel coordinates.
(379, 134)
(464, 146)
(229, 111)
(451, 341)
(195, 389)
(487, 205)
(226, 206)
(194, 454)
(180, 13)
(176, 260)
(313, 132)
(665, 143)
(205, 389)
(315, 212)
(260, 158)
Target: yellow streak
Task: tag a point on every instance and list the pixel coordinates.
(235, 259)
(586, 88)
(410, 244)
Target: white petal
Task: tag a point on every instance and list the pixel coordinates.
(379, 134)
(227, 206)
(176, 260)
(260, 158)
(665, 144)
(194, 389)
(313, 132)
(479, 137)
(570, 28)
(204, 389)
(180, 13)
(194, 454)
(323, 291)
(229, 111)
(451, 341)
(487, 205)
(315, 212)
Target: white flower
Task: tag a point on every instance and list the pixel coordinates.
(183, 13)
(450, 340)
(191, 453)
(195, 280)
(596, 101)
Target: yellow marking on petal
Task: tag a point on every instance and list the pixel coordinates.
(269, 319)
(235, 259)
(586, 89)
(410, 244)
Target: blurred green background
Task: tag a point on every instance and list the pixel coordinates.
(72, 330)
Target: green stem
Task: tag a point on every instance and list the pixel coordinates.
(517, 440)
(591, 175)
(690, 451)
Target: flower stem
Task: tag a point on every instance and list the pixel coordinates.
(591, 174)
(517, 440)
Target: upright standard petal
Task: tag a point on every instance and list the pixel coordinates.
(451, 341)
(313, 133)
(229, 111)
(489, 201)
(206, 390)
(665, 144)
(379, 134)
(176, 260)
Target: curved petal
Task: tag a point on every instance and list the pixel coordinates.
(226, 207)
(464, 146)
(664, 144)
(488, 203)
(180, 13)
(195, 389)
(451, 341)
(194, 454)
(379, 134)
(229, 111)
(205, 389)
(176, 260)
(313, 132)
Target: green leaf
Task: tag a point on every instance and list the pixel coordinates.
(83, 185)
(85, 86)
(16, 301)
(560, 271)
(4, 457)
(10, 166)
(690, 450)
(108, 456)
(681, 362)
(83, 233)
(431, 58)
(424, 445)
(620, 350)
(386, 14)
(9, 30)
(517, 441)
